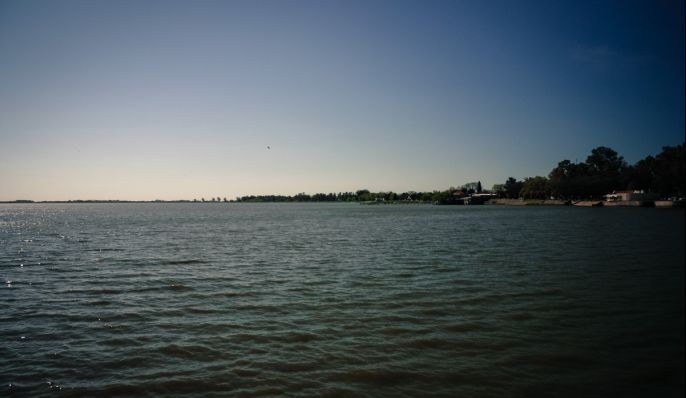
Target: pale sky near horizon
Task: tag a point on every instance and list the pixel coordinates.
(180, 99)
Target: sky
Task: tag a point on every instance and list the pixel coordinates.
(143, 100)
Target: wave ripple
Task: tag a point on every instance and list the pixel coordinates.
(337, 300)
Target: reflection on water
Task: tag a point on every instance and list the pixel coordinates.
(308, 300)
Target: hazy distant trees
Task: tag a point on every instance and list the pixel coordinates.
(218, 199)
(365, 195)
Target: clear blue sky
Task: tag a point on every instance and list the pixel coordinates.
(162, 99)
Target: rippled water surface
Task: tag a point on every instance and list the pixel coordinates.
(340, 300)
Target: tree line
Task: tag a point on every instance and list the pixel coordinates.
(365, 195)
(603, 172)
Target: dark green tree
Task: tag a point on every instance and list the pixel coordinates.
(605, 160)
(604, 168)
(567, 180)
(512, 188)
(499, 189)
(470, 187)
(669, 171)
(364, 195)
(535, 188)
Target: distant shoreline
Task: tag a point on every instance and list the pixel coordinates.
(492, 202)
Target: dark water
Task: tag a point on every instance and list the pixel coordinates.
(247, 300)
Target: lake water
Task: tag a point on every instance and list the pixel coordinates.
(340, 300)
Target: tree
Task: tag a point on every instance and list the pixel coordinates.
(512, 188)
(568, 179)
(478, 187)
(642, 175)
(669, 171)
(499, 189)
(409, 195)
(471, 187)
(535, 188)
(662, 174)
(604, 168)
(603, 160)
(363, 195)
